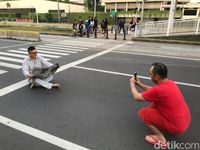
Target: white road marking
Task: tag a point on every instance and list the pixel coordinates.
(85, 44)
(64, 67)
(130, 75)
(55, 50)
(50, 49)
(41, 54)
(13, 66)
(41, 135)
(154, 55)
(11, 59)
(3, 71)
(68, 46)
(11, 54)
(48, 52)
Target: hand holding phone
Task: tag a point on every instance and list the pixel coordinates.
(135, 75)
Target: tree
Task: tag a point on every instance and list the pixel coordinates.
(89, 4)
(8, 5)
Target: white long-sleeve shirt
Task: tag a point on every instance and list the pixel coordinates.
(28, 64)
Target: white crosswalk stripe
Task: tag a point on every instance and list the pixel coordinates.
(41, 54)
(8, 65)
(12, 58)
(83, 43)
(43, 51)
(11, 54)
(3, 71)
(77, 48)
(56, 50)
(65, 50)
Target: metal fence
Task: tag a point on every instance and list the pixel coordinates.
(161, 28)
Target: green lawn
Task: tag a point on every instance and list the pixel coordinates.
(40, 29)
(195, 38)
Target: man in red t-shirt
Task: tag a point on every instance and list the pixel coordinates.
(168, 112)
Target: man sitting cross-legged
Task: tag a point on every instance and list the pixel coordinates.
(36, 61)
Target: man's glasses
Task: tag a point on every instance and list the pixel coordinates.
(33, 53)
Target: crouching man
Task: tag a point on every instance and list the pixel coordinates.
(168, 112)
(36, 61)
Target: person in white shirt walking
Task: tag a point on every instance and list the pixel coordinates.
(32, 61)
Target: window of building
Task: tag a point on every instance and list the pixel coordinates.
(190, 12)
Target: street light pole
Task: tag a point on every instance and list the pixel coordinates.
(171, 16)
(58, 10)
(95, 8)
(142, 13)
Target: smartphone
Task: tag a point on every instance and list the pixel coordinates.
(135, 75)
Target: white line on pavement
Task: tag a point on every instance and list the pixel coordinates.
(68, 46)
(56, 50)
(41, 54)
(55, 47)
(48, 52)
(11, 59)
(11, 54)
(3, 71)
(41, 135)
(154, 55)
(88, 58)
(130, 75)
(13, 66)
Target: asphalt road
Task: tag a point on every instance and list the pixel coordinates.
(94, 108)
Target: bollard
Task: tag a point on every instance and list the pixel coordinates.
(115, 32)
(124, 34)
(107, 33)
(95, 33)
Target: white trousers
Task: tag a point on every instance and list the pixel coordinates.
(43, 82)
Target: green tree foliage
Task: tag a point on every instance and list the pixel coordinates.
(89, 4)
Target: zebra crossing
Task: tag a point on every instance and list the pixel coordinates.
(12, 58)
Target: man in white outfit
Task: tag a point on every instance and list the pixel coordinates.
(32, 61)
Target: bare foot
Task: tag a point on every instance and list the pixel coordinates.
(32, 85)
(56, 85)
(155, 138)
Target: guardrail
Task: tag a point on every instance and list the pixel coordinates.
(160, 28)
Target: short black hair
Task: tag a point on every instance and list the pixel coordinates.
(160, 69)
(30, 48)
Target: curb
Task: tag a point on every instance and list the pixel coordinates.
(166, 41)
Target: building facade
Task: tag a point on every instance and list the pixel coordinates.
(39, 6)
(134, 5)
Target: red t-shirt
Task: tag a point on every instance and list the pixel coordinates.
(169, 102)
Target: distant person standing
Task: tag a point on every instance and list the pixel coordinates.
(132, 24)
(95, 28)
(80, 26)
(87, 26)
(103, 26)
(106, 27)
(75, 27)
(122, 25)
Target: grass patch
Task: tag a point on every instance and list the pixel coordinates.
(39, 29)
(193, 38)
